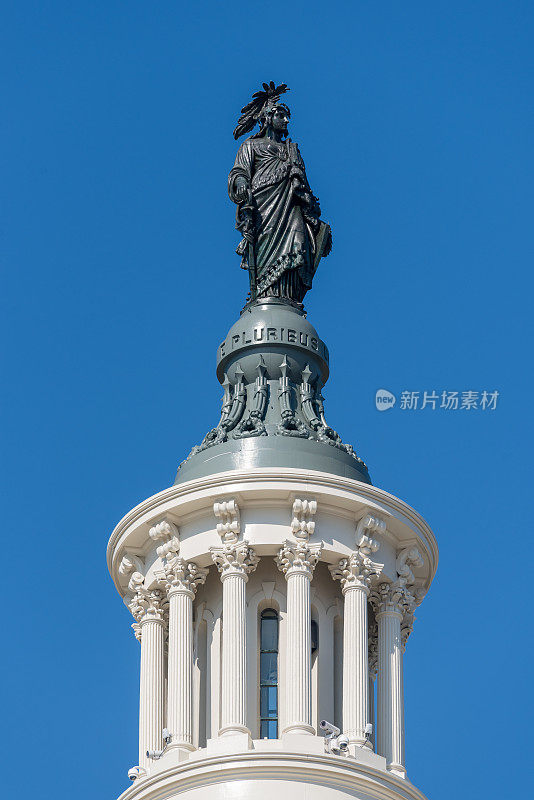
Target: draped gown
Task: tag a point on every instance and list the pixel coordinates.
(284, 217)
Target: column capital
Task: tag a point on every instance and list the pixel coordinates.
(145, 604)
(182, 577)
(149, 606)
(393, 598)
(298, 557)
(401, 596)
(355, 572)
(234, 559)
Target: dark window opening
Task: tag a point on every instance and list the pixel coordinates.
(269, 674)
(314, 636)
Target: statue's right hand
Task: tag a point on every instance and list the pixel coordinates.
(241, 188)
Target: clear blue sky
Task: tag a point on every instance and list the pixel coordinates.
(117, 244)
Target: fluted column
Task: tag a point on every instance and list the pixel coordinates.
(182, 579)
(234, 561)
(355, 575)
(298, 560)
(147, 608)
(373, 669)
(394, 605)
(390, 603)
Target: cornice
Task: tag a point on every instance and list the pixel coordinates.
(332, 772)
(187, 498)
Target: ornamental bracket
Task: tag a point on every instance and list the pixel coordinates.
(230, 526)
(302, 527)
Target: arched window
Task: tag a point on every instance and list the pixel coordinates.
(269, 674)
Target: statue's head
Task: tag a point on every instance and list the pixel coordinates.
(265, 108)
(276, 117)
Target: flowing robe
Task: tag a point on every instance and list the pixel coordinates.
(279, 219)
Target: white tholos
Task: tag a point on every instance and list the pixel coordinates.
(266, 601)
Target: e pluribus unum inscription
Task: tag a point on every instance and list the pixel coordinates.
(266, 335)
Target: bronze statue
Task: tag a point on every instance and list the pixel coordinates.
(277, 214)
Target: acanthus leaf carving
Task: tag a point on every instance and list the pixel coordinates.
(392, 597)
(234, 559)
(407, 622)
(408, 618)
(148, 604)
(298, 556)
(401, 595)
(144, 603)
(353, 572)
(183, 576)
(357, 570)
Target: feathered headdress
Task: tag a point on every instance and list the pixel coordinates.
(252, 112)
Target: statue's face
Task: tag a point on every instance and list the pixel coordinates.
(280, 120)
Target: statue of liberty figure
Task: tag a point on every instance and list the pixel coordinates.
(277, 214)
